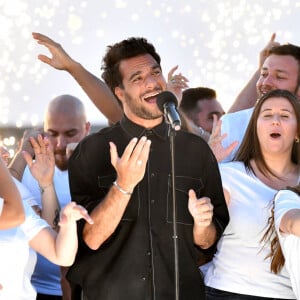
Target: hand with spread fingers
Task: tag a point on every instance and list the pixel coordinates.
(215, 141)
(176, 83)
(60, 59)
(131, 165)
(42, 166)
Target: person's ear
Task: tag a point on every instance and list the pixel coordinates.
(87, 127)
(119, 92)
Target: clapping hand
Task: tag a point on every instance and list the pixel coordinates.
(42, 166)
(73, 212)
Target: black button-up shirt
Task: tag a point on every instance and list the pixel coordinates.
(137, 261)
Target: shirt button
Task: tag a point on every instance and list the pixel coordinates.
(143, 278)
(152, 175)
(148, 253)
(152, 201)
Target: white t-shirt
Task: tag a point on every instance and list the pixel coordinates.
(25, 193)
(235, 126)
(286, 200)
(239, 265)
(32, 258)
(46, 276)
(14, 254)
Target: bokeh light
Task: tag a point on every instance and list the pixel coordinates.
(215, 43)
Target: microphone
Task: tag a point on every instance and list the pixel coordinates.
(167, 103)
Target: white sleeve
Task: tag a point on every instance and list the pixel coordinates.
(33, 223)
(25, 193)
(32, 186)
(226, 176)
(234, 125)
(285, 200)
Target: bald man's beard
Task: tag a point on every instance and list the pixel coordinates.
(61, 160)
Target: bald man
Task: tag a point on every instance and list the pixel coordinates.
(65, 123)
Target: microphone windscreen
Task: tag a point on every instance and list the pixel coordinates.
(165, 97)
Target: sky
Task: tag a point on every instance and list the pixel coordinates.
(214, 43)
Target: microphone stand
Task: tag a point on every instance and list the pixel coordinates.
(171, 134)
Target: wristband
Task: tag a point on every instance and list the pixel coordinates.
(42, 188)
(121, 190)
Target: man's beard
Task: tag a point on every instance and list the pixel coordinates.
(61, 160)
(141, 111)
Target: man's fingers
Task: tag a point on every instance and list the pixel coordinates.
(135, 151)
(145, 152)
(27, 158)
(40, 37)
(231, 147)
(216, 125)
(113, 153)
(170, 74)
(129, 149)
(192, 195)
(273, 36)
(141, 150)
(45, 59)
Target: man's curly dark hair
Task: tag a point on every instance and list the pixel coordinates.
(125, 49)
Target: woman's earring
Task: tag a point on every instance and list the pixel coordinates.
(297, 140)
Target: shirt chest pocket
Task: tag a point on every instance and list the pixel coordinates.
(182, 186)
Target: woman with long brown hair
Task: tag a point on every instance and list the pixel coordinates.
(267, 161)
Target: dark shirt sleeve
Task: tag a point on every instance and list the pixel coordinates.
(90, 156)
(87, 188)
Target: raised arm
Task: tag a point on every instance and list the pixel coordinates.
(42, 169)
(248, 95)
(12, 211)
(95, 88)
